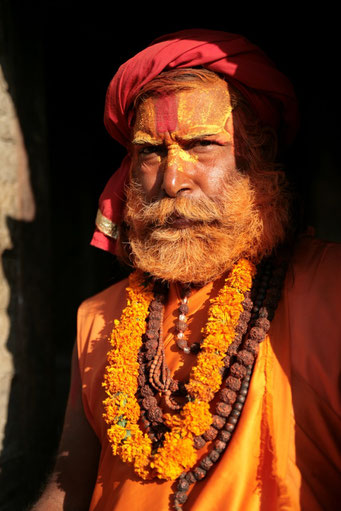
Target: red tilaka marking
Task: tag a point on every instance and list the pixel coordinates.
(166, 113)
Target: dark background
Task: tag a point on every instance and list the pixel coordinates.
(58, 59)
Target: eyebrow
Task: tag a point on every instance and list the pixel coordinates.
(190, 137)
(146, 140)
(200, 135)
(142, 140)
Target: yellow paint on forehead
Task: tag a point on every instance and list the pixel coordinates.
(178, 156)
(200, 111)
(144, 126)
(204, 109)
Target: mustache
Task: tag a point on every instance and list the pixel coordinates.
(162, 212)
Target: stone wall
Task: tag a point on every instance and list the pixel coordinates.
(26, 359)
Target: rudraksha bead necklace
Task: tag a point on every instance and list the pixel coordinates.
(236, 386)
(154, 374)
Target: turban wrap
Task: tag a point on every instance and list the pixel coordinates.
(268, 92)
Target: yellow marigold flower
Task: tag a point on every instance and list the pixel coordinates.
(141, 467)
(207, 370)
(111, 410)
(131, 410)
(197, 417)
(200, 391)
(136, 444)
(115, 435)
(122, 411)
(178, 454)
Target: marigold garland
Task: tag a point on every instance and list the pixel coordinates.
(122, 411)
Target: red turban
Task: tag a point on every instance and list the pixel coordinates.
(267, 90)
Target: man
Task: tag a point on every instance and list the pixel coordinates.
(195, 403)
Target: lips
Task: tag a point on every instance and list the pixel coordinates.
(180, 222)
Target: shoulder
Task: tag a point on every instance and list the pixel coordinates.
(316, 265)
(310, 250)
(97, 314)
(108, 299)
(314, 304)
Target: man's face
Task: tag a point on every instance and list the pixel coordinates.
(190, 214)
(182, 144)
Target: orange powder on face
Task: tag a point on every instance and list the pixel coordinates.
(204, 110)
(166, 113)
(179, 118)
(198, 111)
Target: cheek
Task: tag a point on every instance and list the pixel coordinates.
(214, 172)
(148, 174)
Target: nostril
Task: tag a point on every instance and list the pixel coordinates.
(183, 191)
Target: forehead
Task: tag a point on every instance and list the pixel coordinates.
(204, 107)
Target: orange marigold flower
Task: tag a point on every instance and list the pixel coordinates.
(199, 390)
(178, 454)
(115, 435)
(197, 417)
(122, 411)
(135, 445)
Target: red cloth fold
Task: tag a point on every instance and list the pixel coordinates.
(267, 90)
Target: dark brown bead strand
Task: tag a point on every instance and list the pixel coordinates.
(218, 421)
(180, 497)
(210, 434)
(233, 418)
(190, 477)
(154, 375)
(199, 472)
(274, 292)
(261, 285)
(229, 395)
(225, 435)
(223, 409)
(245, 358)
(183, 484)
(241, 357)
(214, 455)
(151, 413)
(199, 442)
(206, 463)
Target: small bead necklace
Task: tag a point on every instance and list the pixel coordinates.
(181, 324)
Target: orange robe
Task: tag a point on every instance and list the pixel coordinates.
(283, 454)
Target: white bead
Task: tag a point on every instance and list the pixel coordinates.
(182, 317)
(180, 335)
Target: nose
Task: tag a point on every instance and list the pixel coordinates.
(177, 174)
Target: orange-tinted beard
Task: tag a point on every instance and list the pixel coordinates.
(241, 223)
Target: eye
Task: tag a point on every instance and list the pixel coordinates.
(148, 150)
(205, 143)
(202, 144)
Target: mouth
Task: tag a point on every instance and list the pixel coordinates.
(180, 222)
